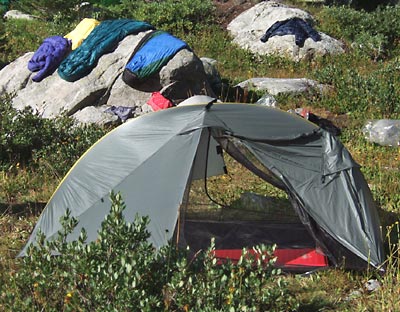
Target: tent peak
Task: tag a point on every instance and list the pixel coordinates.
(209, 104)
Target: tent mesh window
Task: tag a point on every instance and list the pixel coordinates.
(238, 195)
(240, 209)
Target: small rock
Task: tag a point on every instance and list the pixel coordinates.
(15, 14)
(372, 285)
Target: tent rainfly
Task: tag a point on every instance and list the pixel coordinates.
(166, 150)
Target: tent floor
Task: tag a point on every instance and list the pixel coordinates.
(295, 260)
(295, 251)
(240, 234)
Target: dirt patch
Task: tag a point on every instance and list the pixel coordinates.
(227, 10)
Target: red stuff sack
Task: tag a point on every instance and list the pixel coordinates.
(158, 102)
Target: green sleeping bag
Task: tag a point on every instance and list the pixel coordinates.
(102, 40)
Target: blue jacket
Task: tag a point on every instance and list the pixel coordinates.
(294, 26)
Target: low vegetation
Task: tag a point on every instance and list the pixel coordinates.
(35, 154)
(121, 271)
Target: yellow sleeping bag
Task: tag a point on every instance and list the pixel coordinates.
(81, 31)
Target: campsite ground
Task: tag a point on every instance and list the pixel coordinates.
(331, 290)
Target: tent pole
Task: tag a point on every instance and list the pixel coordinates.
(182, 210)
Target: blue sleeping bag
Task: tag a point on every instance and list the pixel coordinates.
(103, 39)
(151, 54)
(49, 56)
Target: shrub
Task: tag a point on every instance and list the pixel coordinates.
(49, 10)
(68, 142)
(374, 93)
(252, 284)
(18, 36)
(378, 27)
(169, 15)
(21, 133)
(106, 2)
(121, 271)
(26, 136)
(385, 297)
(363, 5)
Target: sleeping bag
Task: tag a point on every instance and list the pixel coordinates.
(48, 57)
(81, 31)
(150, 55)
(103, 39)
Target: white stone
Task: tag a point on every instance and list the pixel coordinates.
(248, 28)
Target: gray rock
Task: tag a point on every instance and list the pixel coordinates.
(91, 114)
(313, 1)
(275, 86)
(213, 76)
(198, 99)
(267, 100)
(251, 25)
(354, 295)
(15, 76)
(127, 96)
(372, 285)
(181, 77)
(185, 76)
(15, 14)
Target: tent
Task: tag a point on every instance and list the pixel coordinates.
(152, 160)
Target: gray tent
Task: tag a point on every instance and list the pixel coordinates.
(152, 159)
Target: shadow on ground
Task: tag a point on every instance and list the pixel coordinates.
(22, 209)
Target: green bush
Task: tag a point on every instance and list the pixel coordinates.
(68, 143)
(252, 284)
(21, 133)
(49, 10)
(18, 36)
(106, 2)
(362, 4)
(121, 271)
(26, 136)
(2, 45)
(169, 15)
(375, 94)
(379, 28)
(353, 86)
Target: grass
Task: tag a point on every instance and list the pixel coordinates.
(23, 190)
(16, 223)
(330, 290)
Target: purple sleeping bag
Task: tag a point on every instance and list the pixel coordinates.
(49, 56)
